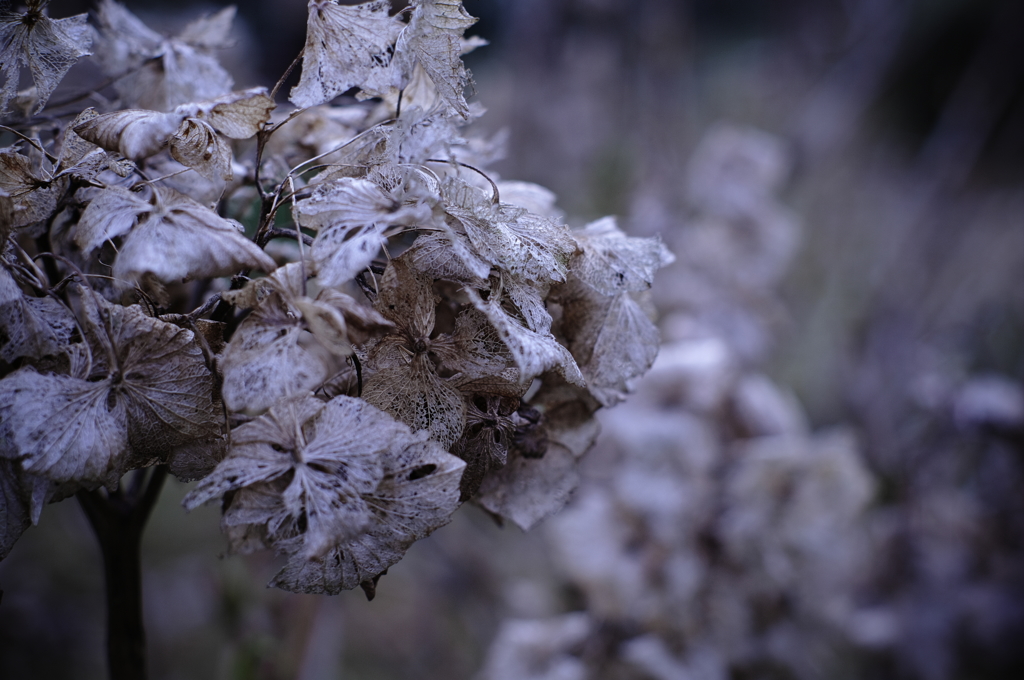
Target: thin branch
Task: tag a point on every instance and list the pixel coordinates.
(359, 375)
(287, 72)
(289, 234)
(33, 142)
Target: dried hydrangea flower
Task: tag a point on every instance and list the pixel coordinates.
(290, 343)
(340, 487)
(137, 389)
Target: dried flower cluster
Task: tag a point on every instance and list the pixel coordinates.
(419, 335)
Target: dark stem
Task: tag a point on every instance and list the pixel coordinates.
(118, 519)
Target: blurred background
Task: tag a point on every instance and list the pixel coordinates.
(823, 476)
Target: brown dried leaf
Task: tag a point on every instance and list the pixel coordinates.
(48, 47)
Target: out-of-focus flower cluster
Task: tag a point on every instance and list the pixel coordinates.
(715, 531)
(716, 536)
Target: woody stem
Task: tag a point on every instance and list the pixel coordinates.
(118, 519)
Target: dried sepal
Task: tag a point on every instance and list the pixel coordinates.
(491, 423)
(434, 37)
(405, 382)
(271, 356)
(48, 47)
(31, 327)
(338, 321)
(541, 472)
(414, 394)
(528, 297)
(197, 145)
(141, 389)
(34, 196)
(612, 263)
(448, 256)
(407, 299)
(15, 517)
(178, 238)
(418, 493)
(290, 343)
(123, 38)
(534, 198)
(84, 160)
(346, 46)
(529, 246)
(111, 212)
(303, 470)
(351, 216)
(612, 339)
(135, 133)
(6, 216)
(210, 31)
(533, 352)
(165, 382)
(238, 115)
(475, 350)
(196, 460)
(332, 456)
(174, 175)
(63, 428)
